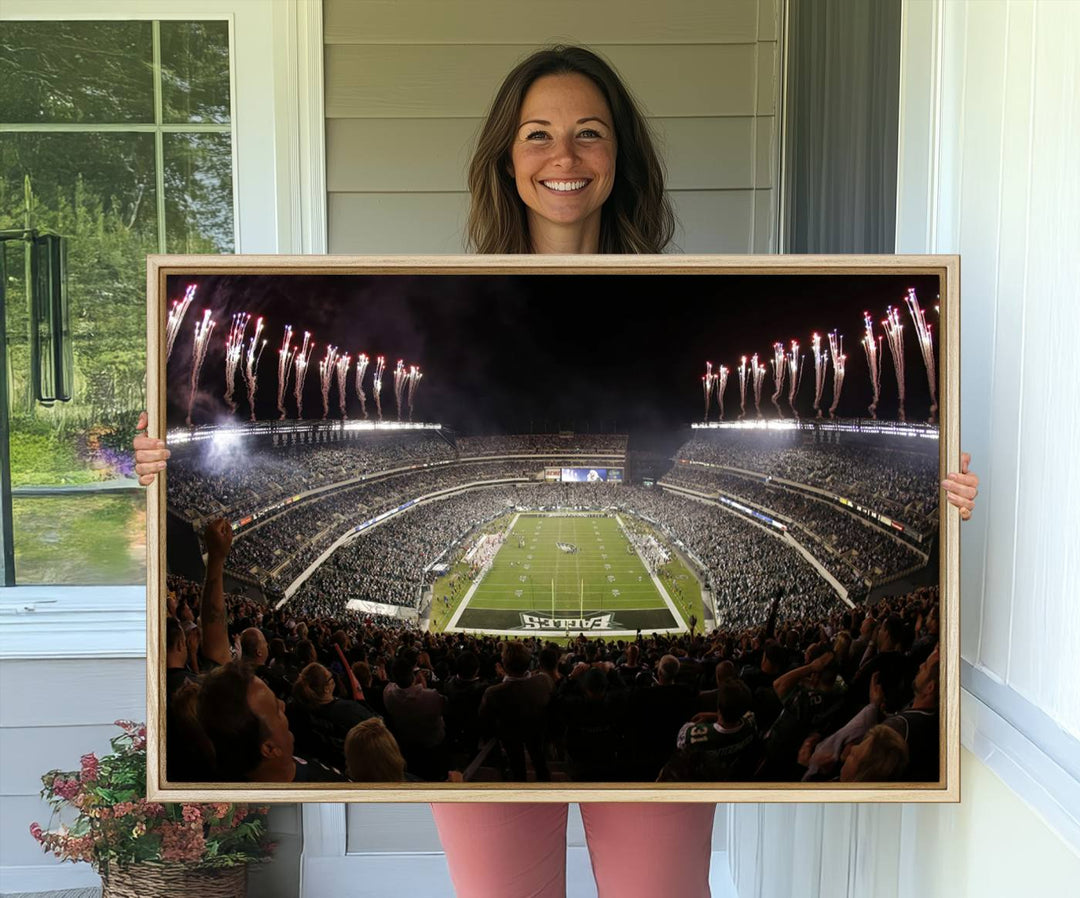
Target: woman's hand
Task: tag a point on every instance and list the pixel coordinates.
(150, 454)
(962, 488)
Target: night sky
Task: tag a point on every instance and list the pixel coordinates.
(545, 352)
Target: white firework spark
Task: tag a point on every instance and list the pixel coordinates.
(721, 385)
(757, 371)
(399, 384)
(176, 318)
(376, 384)
(203, 330)
(361, 366)
(794, 361)
(706, 386)
(742, 388)
(925, 334)
(234, 349)
(821, 366)
(285, 359)
(779, 367)
(342, 379)
(872, 347)
(414, 381)
(836, 347)
(894, 331)
(251, 363)
(301, 362)
(327, 367)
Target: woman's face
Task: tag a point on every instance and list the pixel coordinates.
(563, 154)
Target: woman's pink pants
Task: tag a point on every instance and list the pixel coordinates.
(519, 850)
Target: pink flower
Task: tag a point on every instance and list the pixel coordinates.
(192, 814)
(36, 832)
(89, 767)
(65, 788)
(181, 842)
(123, 808)
(150, 808)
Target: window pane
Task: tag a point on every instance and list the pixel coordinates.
(97, 190)
(195, 71)
(76, 72)
(81, 540)
(198, 193)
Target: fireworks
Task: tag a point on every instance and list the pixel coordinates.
(721, 385)
(742, 388)
(707, 380)
(203, 330)
(836, 347)
(176, 318)
(376, 384)
(285, 359)
(300, 364)
(757, 371)
(343, 373)
(872, 347)
(894, 330)
(234, 349)
(399, 384)
(327, 367)
(251, 363)
(926, 344)
(794, 361)
(779, 366)
(361, 366)
(414, 381)
(821, 366)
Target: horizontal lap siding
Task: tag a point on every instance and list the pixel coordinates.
(408, 84)
(524, 22)
(51, 713)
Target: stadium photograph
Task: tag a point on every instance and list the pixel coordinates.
(551, 528)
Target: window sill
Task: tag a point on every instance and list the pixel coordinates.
(1034, 762)
(72, 622)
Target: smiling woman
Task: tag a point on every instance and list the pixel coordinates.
(563, 162)
(560, 118)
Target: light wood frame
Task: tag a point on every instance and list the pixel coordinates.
(946, 267)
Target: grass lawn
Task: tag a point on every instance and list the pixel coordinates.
(81, 539)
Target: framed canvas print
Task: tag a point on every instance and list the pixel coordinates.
(554, 528)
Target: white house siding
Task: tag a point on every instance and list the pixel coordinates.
(408, 83)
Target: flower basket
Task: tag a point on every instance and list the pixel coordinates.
(146, 849)
(173, 881)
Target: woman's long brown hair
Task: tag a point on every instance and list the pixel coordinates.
(636, 218)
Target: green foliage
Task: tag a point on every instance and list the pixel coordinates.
(116, 825)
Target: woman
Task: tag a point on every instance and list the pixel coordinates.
(319, 721)
(565, 164)
(372, 754)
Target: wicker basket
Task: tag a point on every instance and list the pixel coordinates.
(174, 881)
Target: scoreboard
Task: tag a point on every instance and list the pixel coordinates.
(583, 475)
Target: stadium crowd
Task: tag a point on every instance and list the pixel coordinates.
(279, 550)
(899, 482)
(544, 444)
(292, 695)
(209, 481)
(856, 550)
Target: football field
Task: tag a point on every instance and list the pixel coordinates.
(562, 574)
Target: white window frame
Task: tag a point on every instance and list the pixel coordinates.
(279, 199)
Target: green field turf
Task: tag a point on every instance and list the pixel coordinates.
(604, 577)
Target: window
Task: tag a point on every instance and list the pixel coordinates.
(118, 136)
